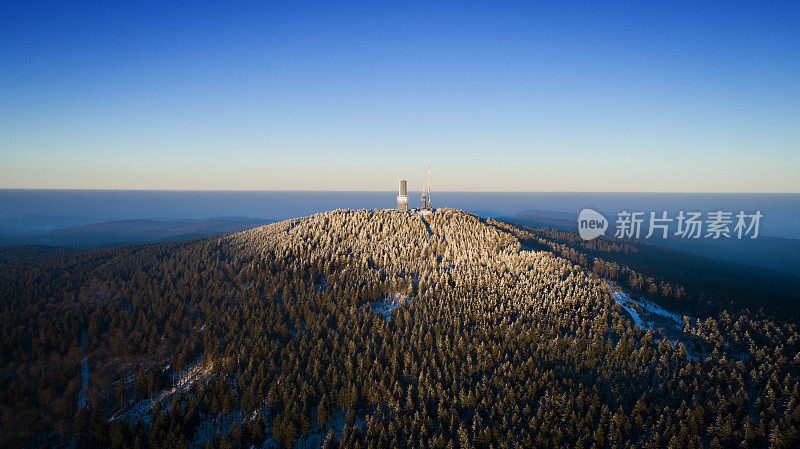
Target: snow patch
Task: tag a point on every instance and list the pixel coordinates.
(385, 306)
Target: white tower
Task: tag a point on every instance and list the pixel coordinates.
(402, 197)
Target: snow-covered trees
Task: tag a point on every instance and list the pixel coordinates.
(497, 346)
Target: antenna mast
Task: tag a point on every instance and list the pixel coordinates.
(429, 187)
(426, 192)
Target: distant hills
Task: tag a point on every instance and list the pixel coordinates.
(775, 253)
(126, 232)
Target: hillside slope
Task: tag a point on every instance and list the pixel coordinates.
(373, 329)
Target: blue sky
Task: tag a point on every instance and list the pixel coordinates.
(595, 96)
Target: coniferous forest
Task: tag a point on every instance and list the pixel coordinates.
(373, 329)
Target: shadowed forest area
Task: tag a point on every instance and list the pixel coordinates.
(681, 281)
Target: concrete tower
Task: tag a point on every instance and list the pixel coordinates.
(402, 197)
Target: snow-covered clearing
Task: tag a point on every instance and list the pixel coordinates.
(644, 312)
(647, 315)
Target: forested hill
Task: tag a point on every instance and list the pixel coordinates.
(370, 329)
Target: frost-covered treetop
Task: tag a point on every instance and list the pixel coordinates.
(440, 256)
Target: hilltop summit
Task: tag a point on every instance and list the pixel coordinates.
(445, 256)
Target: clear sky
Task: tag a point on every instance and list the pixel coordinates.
(590, 96)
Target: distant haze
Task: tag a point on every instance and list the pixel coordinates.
(38, 211)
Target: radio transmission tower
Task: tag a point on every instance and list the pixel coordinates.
(426, 192)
